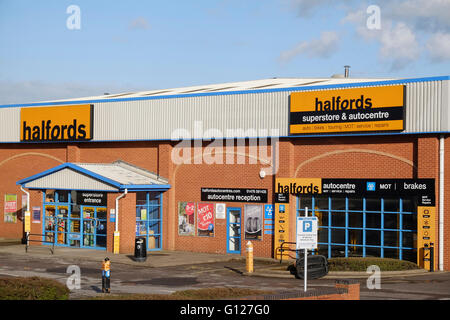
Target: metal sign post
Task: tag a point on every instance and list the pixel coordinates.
(305, 268)
(307, 228)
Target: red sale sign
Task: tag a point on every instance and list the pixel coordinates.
(205, 216)
(190, 208)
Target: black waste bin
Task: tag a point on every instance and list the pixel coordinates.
(140, 250)
(317, 267)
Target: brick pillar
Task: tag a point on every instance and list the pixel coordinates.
(110, 226)
(446, 205)
(428, 167)
(287, 170)
(73, 153)
(127, 222)
(165, 170)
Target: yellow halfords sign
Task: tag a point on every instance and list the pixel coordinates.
(347, 110)
(65, 123)
(298, 185)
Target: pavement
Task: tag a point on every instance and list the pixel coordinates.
(263, 267)
(169, 271)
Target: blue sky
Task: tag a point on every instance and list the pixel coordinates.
(136, 45)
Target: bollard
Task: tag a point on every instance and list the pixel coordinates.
(249, 260)
(106, 275)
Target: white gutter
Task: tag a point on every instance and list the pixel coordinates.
(117, 208)
(28, 208)
(28, 197)
(441, 203)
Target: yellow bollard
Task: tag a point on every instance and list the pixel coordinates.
(249, 260)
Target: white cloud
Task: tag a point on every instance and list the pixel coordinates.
(405, 28)
(323, 47)
(438, 47)
(399, 44)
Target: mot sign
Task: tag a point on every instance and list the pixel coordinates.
(307, 233)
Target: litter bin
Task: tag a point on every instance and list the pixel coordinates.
(140, 250)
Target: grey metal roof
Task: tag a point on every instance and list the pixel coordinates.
(114, 176)
(234, 110)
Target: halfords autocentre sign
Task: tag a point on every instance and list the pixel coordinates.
(347, 110)
(64, 123)
(422, 189)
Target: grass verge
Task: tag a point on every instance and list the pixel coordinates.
(33, 288)
(195, 294)
(361, 264)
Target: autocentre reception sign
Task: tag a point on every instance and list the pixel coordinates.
(347, 110)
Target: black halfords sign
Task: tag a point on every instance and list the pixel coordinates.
(88, 198)
(234, 195)
(422, 189)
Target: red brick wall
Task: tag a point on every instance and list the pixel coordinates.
(187, 181)
(18, 162)
(353, 157)
(447, 204)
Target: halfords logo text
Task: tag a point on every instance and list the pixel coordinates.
(337, 103)
(299, 186)
(57, 123)
(48, 131)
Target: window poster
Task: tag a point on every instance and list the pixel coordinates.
(10, 208)
(36, 218)
(253, 222)
(186, 218)
(205, 219)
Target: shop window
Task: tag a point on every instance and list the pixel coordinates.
(391, 205)
(149, 219)
(68, 224)
(50, 196)
(373, 205)
(305, 202)
(63, 196)
(365, 226)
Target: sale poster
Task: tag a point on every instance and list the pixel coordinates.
(205, 219)
(186, 218)
(10, 208)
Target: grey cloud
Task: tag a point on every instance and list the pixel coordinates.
(35, 91)
(139, 23)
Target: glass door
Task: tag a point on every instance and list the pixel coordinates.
(94, 227)
(234, 230)
(100, 230)
(49, 223)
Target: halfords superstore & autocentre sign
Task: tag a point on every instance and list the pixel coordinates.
(347, 110)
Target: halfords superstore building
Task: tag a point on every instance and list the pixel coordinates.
(210, 168)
